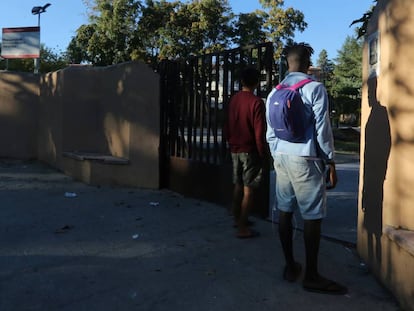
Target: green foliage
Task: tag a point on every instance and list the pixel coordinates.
(345, 86)
(280, 24)
(198, 27)
(78, 48)
(152, 30)
(248, 29)
(343, 79)
(151, 36)
(346, 140)
(109, 37)
(51, 60)
(348, 69)
(327, 68)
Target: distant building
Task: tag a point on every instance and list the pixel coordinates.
(315, 72)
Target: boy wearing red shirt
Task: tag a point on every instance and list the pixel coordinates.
(245, 131)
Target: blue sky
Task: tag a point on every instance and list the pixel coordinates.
(328, 20)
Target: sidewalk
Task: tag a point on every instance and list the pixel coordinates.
(133, 249)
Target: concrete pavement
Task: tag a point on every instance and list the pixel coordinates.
(134, 249)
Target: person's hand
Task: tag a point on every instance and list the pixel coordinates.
(265, 161)
(332, 179)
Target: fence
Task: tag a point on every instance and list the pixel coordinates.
(194, 96)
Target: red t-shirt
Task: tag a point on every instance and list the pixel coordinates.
(245, 128)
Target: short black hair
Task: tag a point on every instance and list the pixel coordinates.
(250, 77)
(301, 52)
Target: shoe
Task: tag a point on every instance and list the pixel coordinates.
(324, 286)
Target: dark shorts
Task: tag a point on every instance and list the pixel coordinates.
(247, 169)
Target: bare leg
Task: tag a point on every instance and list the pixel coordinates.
(237, 201)
(313, 281)
(246, 206)
(285, 235)
(312, 237)
(292, 269)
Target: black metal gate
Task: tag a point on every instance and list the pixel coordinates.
(194, 94)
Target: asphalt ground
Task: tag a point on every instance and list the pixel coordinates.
(66, 246)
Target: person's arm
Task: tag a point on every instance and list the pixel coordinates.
(324, 135)
(270, 134)
(260, 128)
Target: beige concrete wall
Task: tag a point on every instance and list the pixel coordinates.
(386, 196)
(19, 101)
(111, 111)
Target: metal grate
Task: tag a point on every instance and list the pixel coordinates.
(194, 96)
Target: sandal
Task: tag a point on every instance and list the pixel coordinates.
(248, 224)
(250, 235)
(324, 286)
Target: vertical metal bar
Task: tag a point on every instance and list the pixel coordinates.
(190, 98)
(179, 112)
(207, 105)
(216, 91)
(176, 111)
(232, 72)
(197, 84)
(226, 69)
(202, 101)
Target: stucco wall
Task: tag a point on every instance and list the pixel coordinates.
(386, 196)
(19, 100)
(107, 111)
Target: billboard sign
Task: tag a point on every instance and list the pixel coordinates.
(21, 42)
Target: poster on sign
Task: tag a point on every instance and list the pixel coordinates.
(21, 42)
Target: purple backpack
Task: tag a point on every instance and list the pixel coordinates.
(287, 112)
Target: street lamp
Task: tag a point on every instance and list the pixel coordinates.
(37, 10)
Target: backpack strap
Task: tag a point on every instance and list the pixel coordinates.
(294, 86)
(300, 84)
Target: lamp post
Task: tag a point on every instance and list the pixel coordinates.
(37, 10)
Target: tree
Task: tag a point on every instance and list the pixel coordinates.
(151, 35)
(327, 69)
(123, 30)
(364, 20)
(78, 48)
(346, 86)
(108, 39)
(248, 29)
(151, 30)
(280, 24)
(348, 69)
(51, 60)
(198, 27)
(327, 77)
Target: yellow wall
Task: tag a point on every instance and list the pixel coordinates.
(19, 103)
(111, 111)
(386, 195)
